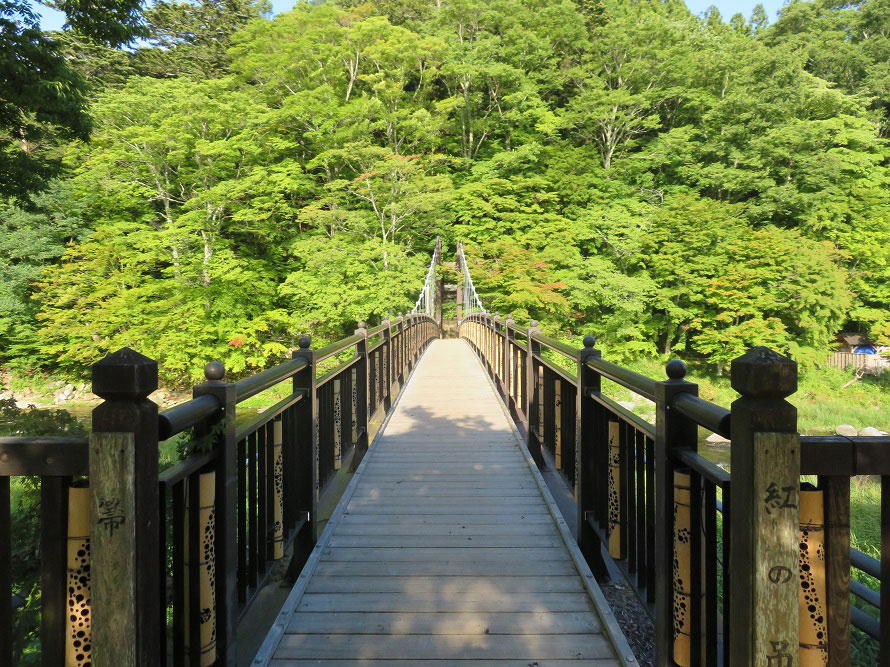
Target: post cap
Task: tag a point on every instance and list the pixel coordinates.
(125, 374)
(305, 342)
(675, 369)
(589, 341)
(533, 324)
(214, 371)
(762, 372)
(361, 325)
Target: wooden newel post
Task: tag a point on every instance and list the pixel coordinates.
(300, 460)
(765, 519)
(226, 495)
(672, 431)
(533, 396)
(460, 303)
(387, 364)
(496, 371)
(400, 350)
(585, 459)
(508, 365)
(362, 409)
(124, 513)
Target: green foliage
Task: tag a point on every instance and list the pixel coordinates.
(666, 182)
(191, 39)
(42, 98)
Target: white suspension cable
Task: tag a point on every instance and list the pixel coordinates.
(471, 301)
(426, 302)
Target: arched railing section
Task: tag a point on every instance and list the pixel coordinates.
(168, 563)
(715, 558)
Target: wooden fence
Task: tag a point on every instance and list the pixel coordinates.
(871, 363)
(161, 568)
(715, 558)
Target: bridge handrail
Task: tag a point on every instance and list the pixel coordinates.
(548, 402)
(265, 480)
(255, 384)
(637, 383)
(711, 416)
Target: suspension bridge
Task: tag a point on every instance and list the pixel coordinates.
(446, 501)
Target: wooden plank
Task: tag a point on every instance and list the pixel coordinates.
(518, 529)
(443, 541)
(445, 550)
(505, 518)
(456, 554)
(456, 503)
(514, 509)
(431, 647)
(605, 662)
(443, 494)
(446, 468)
(439, 478)
(452, 585)
(442, 440)
(443, 601)
(113, 548)
(444, 568)
(512, 623)
(507, 484)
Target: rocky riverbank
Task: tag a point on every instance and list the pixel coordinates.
(46, 394)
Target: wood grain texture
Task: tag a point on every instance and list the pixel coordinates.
(445, 550)
(776, 528)
(113, 548)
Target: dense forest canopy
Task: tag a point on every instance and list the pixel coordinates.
(670, 183)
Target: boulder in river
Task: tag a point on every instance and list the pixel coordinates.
(717, 439)
(870, 431)
(847, 430)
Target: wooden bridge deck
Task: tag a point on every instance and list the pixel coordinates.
(446, 547)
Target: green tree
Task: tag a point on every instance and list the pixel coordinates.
(192, 38)
(42, 99)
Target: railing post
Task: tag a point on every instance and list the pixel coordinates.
(765, 520)
(533, 396)
(226, 468)
(403, 349)
(508, 365)
(836, 490)
(387, 364)
(303, 495)
(495, 350)
(409, 344)
(363, 410)
(585, 460)
(492, 354)
(126, 584)
(460, 303)
(672, 431)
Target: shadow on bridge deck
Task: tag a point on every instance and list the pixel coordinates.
(446, 547)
